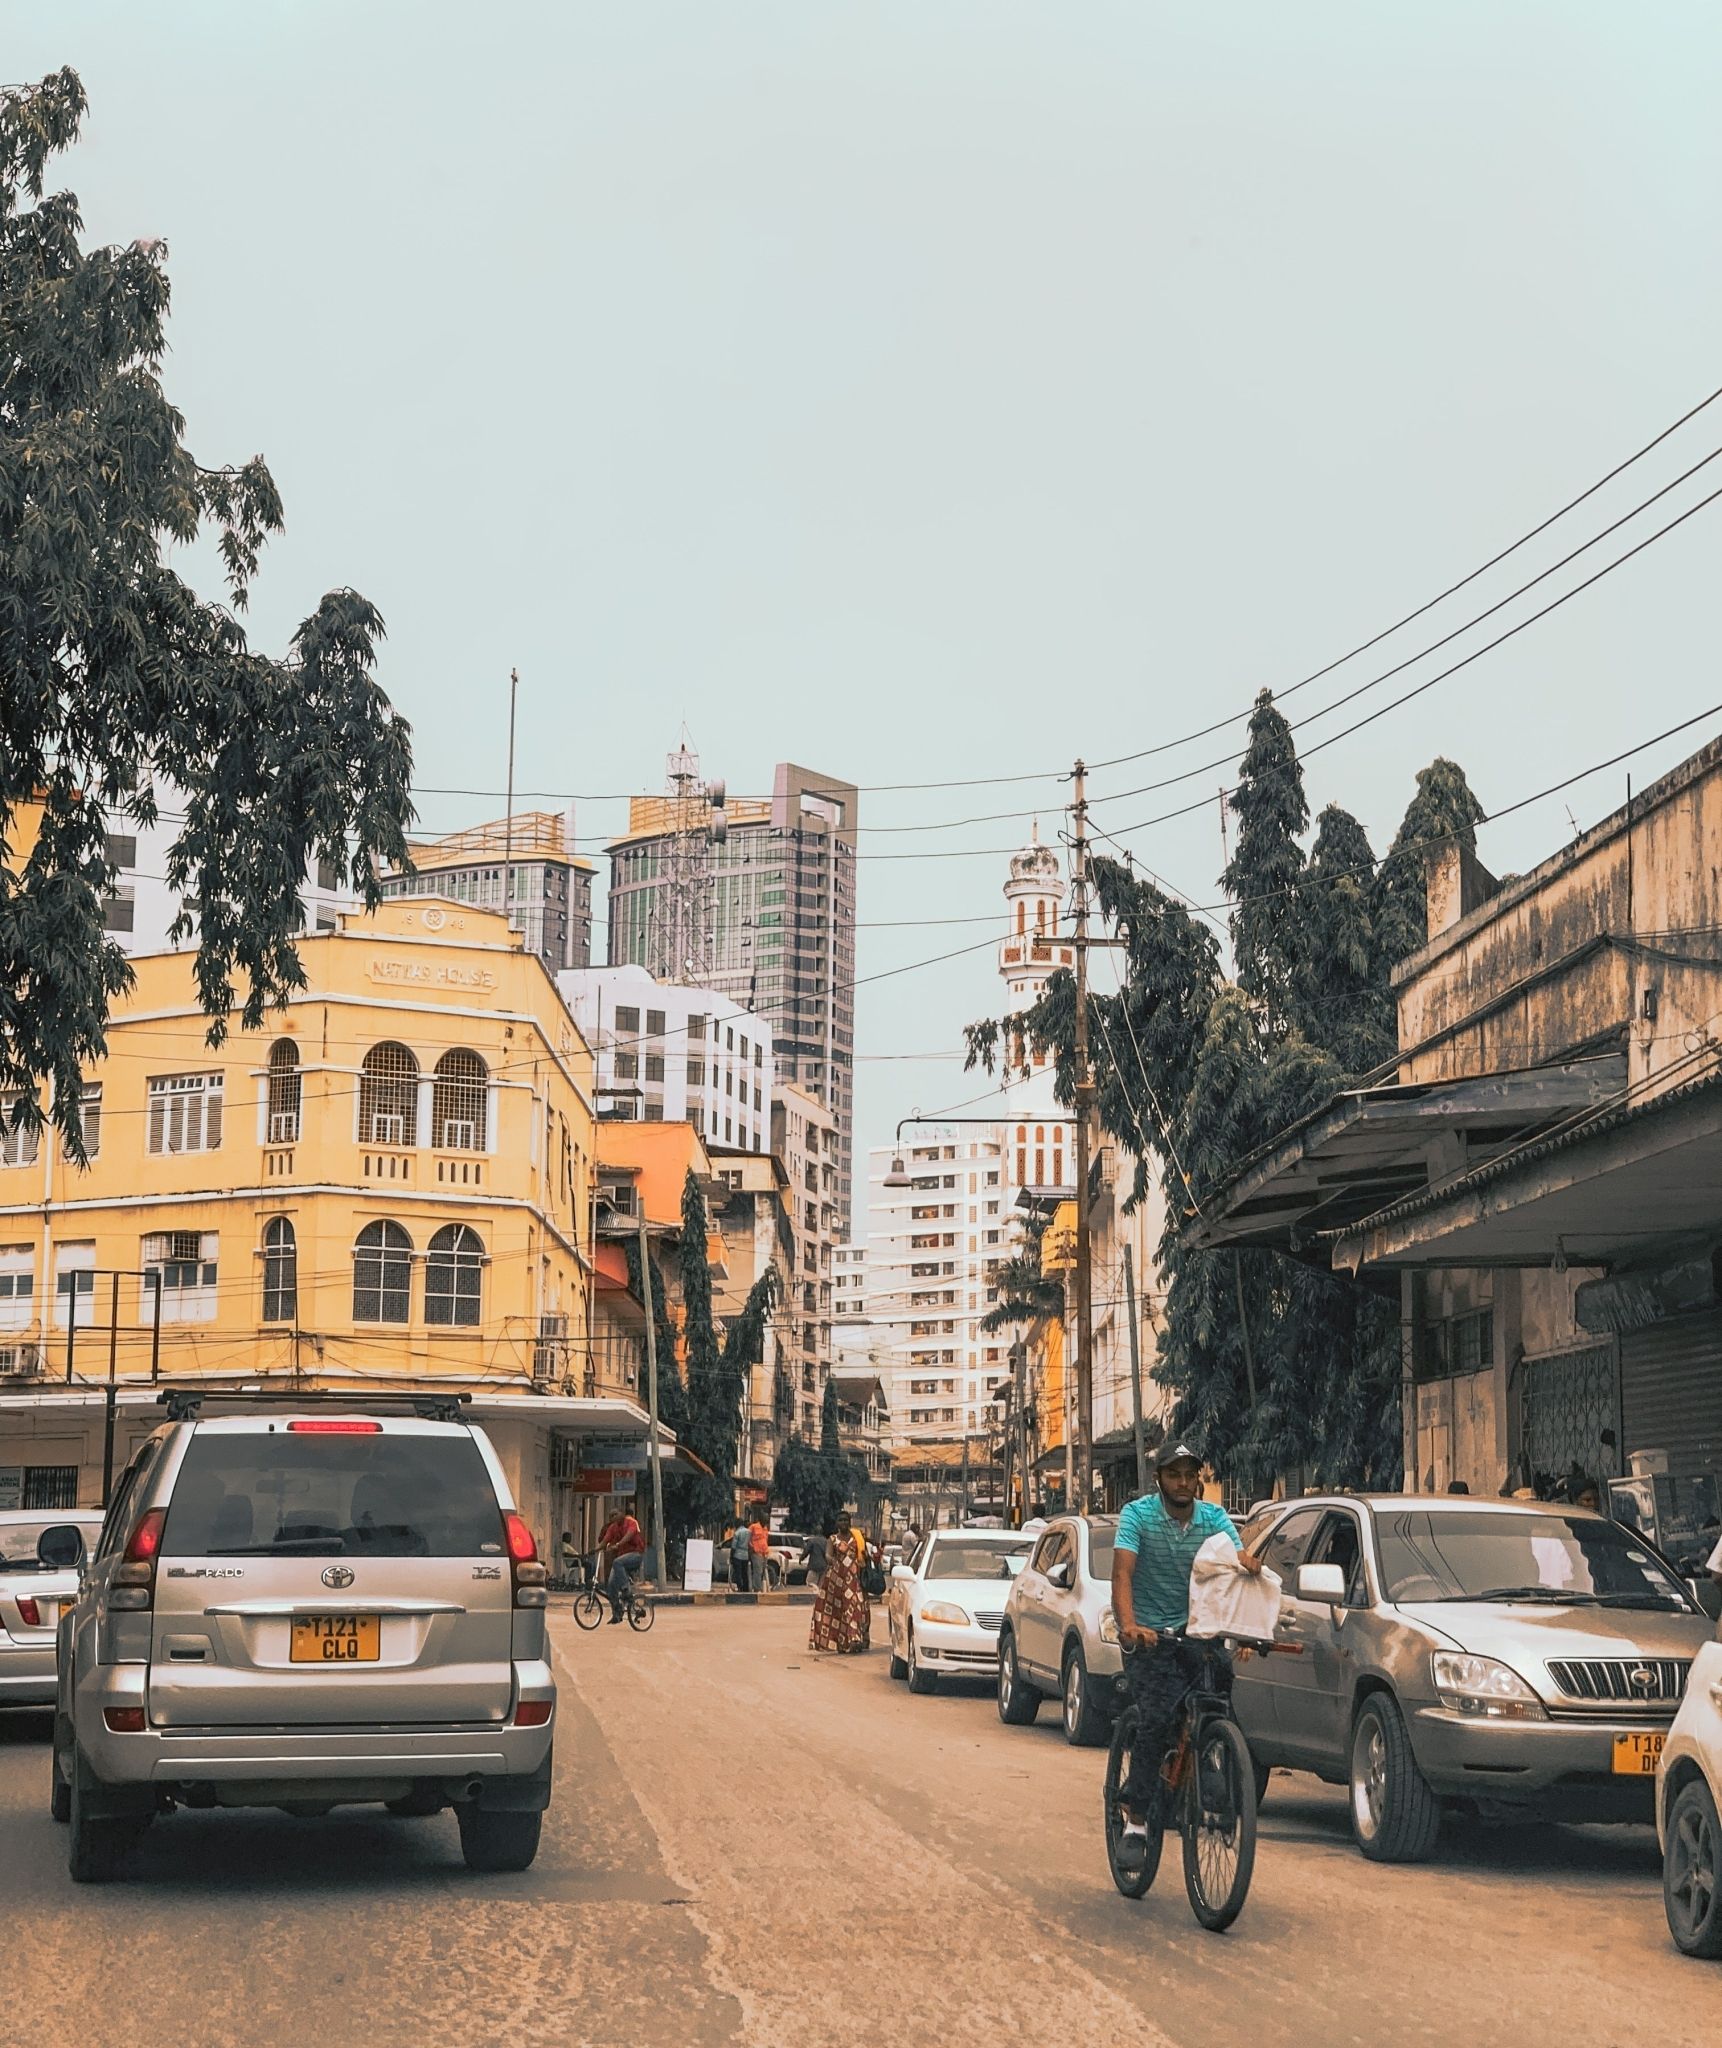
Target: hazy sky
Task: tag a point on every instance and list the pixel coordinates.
(924, 391)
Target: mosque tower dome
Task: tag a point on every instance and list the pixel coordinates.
(1034, 948)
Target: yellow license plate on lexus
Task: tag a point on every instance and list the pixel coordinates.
(339, 1639)
(1636, 1756)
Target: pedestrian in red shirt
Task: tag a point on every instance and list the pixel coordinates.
(759, 1543)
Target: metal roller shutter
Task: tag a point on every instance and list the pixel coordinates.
(1671, 1391)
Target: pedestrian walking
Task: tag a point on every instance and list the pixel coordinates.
(740, 1558)
(816, 1554)
(842, 1617)
(759, 1544)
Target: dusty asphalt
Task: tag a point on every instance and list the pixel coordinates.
(753, 1845)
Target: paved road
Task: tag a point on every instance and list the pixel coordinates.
(752, 1845)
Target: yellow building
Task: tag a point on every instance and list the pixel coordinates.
(390, 1184)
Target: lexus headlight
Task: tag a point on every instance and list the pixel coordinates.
(1483, 1688)
(944, 1610)
(1109, 1627)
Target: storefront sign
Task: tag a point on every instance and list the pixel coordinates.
(697, 1566)
(603, 1479)
(416, 974)
(624, 1454)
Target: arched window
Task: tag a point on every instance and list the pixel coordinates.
(280, 1269)
(454, 1269)
(1040, 916)
(389, 1097)
(1021, 915)
(382, 1274)
(458, 1102)
(285, 1088)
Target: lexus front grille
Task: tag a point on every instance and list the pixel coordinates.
(1630, 1681)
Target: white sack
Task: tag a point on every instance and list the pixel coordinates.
(1226, 1600)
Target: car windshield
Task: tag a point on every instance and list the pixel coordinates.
(1552, 1559)
(18, 1541)
(960, 1560)
(333, 1495)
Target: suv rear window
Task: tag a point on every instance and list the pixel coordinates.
(282, 1495)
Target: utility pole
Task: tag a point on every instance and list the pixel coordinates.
(652, 1452)
(508, 814)
(112, 1401)
(1085, 1092)
(1135, 1371)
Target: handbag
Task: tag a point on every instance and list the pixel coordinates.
(872, 1580)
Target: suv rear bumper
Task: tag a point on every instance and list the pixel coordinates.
(328, 1759)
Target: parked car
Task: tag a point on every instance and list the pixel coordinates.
(1508, 1657)
(944, 1610)
(1059, 1638)
(788, 1553)
(41, 1554)
(1688, 1800)
(303, 1606)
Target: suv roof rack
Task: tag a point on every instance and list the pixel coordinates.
(184, 1404)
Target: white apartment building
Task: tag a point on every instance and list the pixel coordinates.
(852, 1343)
(142, 908)
(671, 1054)
(932, 1249)
(807, 1139)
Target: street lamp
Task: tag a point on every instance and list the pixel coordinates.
(899, 1176)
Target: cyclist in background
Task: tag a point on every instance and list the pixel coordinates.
(1158, 1537)
(621, 1558)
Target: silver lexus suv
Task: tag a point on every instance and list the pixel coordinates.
(302, 1606)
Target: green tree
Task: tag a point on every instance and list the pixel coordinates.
(1444, 809)
(1340, 995)
(1261, 877)
(115, 677)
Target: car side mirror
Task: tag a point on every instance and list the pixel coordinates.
(903, 1573)
(1323, 1583)
(1060, 1575)
(61, 1548)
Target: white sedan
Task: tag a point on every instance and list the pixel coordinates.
(1688, 1797)
(945, 1605)
(41, 1555)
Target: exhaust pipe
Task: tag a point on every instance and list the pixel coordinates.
(473, 1787)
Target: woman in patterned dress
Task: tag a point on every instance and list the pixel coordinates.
(842, 1615)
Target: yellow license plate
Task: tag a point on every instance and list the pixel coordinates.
(1636, 1756)
(337, 1639)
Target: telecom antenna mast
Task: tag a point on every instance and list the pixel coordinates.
(681, 947)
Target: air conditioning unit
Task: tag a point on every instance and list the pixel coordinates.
(388, 1130)
(20, 1361)
(284, 1127)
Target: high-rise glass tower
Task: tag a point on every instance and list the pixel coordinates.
(768, 897)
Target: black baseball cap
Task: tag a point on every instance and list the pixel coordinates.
(1172, 1454)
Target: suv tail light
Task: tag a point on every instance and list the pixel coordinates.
(28, 1612)
(529, 1575)
(133, 1586)
(325, 1425)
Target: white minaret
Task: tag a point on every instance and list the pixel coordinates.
(1034, 948)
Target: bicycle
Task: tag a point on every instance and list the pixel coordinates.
(589, 1607)
(1207, 1789)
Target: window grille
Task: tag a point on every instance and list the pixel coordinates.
(50, 1487)
(382, 1274)
(389, 1097)
(280, 1271)
(184, 1113)
(285, 1092)
(453, 1277)
(458, 1102)
(122, 849)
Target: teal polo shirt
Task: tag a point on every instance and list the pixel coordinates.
(1165, 1550)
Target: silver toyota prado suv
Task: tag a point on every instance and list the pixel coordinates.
(303, 1606)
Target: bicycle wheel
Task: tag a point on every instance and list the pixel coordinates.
(1219, 1824)
(641, 1614)
(589, 1609)
(1132, 1883)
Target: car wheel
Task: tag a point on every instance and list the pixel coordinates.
(1692, 1872)
(1018, 1700)
(920, 1678)
(59, 1786)
(1395, 1818)
(498, 1841)
(1084, 1725)
(96, 1845)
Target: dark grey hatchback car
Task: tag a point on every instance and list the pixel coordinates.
(1506, 1657)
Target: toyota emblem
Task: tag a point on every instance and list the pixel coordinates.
(337, 1575)
(1642, 1679)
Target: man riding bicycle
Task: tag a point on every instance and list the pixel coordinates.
(1157, 1541)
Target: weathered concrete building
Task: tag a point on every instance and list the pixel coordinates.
(1542, 1181)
